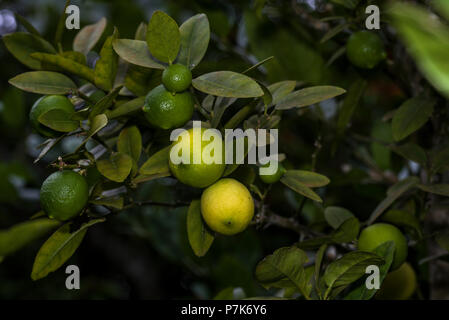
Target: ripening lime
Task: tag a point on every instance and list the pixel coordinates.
(227, 206)
(365, 49)
(64, 194)
(166, 110)
(376, 234)
(275, 177)
(45, 104)
(201, 174)
(177, 78)
(399, 284)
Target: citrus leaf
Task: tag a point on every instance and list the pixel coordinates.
(130, 142)
(163, 37)
(126, 108)
(141, 32)
(22, 44)
(227, 84)
(411, 151)
(27, 25)
(347, 231)
(440, 189)
(59, 248)
(114, 202)
(280, 90)
(104, 103)
(48, 145)
(411, 116)
(308, 96)
(350, 104)
(385, 251)
(116, 168)
(200, 237)
(335, 216)
(393, 193)
(59, 120)
(43, 82)
(157, 163)
(308, 178)
(135, 52)
(87, 37)
(403, 219)
(23, 233)
(96, 124)
(195, 35)
(297, 186)
(349, 268)
(106, 66)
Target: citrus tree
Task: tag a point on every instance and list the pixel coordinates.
(125, 102)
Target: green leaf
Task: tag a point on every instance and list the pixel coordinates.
(116, 168)
(350, 104)
(113, 202)
(308, 96)
(284, 268)
(87, 37)
(61, 24)
(43, 82)
(22, 44)
(411, 116)
(440, 189)
(308, 178)
(96, 124)
(411, 151)
(163, 37)
(141, 32)
(126, 108)
(157, 163)
(200, 237)
(297, 186)
(59, 120)
(135, 52)
(47, 146)
(130, 142)
(426, 38)
(443, 240)
(104, 103)
(318, 261)
(335, 216)
(27, 25)
(23, 233)
(280, 90)
(403, 219)
(334, 31)
(106, 66)
(350, 4)
(442, 6)
(227, 84)
(59, 248)
(393, 193)
(221, 104)
(385, 251)
(347, 231)
(195, 35)
(349, 268)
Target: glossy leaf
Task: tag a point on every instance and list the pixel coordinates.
(280, 90)
(195, 35)
(411, 151)
(59, 248)
(136, 52)
(157, 163)
(335, 216)
(126, 108)
(308, 178)
(116, 168)
(227, 84)
(87, 37)
(130, 142)
(200, 237)
(104, 103)
(308, 96)
(347, 231)
(106, 66)
(43, 82)
(163, 37)
(297, 186)
(59, 120)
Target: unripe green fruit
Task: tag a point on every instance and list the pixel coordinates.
(365, 49)
(45, 104)
(177, 78)
(376, 234)
(64, 194)
(399, 284)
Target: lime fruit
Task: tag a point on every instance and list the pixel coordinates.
(275, 177)
(227, 206)
(45, 104)
(166, 110)
(365, 49)
(177, 78)
(201, 174)
(399, 284)
(64, 194)
(376, 234)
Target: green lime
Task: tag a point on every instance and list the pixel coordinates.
(64, 194)
(177, 78)
(275, 177)
(45, 104)
(365, 49)
(399, 284)
(166, 110)
(376, 234)
(227, 206)
(200, 174)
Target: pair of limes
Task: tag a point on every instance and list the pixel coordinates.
(169, 105)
